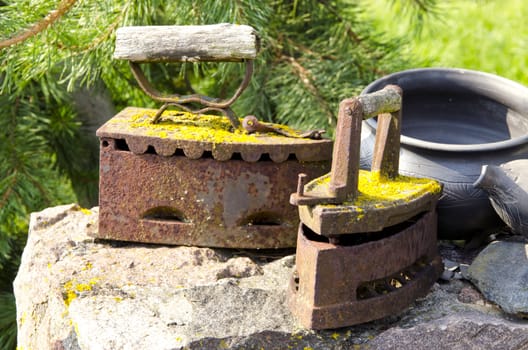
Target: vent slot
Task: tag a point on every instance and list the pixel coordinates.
(352, 239)
(265, 218)
(384, 286)
(165, 214)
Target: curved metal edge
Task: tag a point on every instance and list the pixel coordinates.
(394, 78)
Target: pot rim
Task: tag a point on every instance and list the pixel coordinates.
(458, 74)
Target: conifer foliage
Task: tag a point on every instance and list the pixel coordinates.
(56, 56)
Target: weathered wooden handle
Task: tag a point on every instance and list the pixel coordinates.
(217, 42)
(387, 100)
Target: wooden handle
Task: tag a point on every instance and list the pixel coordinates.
(217, 42)
(387, 100)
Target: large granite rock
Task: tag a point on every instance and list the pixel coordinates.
(76, 293)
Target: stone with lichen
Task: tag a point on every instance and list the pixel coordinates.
(76, 293)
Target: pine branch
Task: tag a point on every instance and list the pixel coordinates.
(7, 194)
(38, 27)
(306, 79)
(101, 38)
(351, 33)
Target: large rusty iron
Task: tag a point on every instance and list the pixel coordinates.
(161, 184)
(359, 257)
(158, 188)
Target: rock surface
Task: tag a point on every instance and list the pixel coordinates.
(76, 293)
(500, 272)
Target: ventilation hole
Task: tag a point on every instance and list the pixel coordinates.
(236, 156)
(207, 154)
(396, 283)
(405, 277)
(150, 150)
(383, 286)
(380, 288)
(105, 143)
(179, 153)
(165, 214)
(121, 145)
(265, 157)
(263, 219)
(292, 156)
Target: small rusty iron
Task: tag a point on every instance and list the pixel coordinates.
(162, 189)
(251, 124)
(357, 261)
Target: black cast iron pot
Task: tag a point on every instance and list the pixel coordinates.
(455, 121)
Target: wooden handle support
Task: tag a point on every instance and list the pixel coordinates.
(344, 175)
(201, 43)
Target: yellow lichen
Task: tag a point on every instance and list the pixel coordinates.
(82, 210)
(72, 289)
(86, 211)
(194, 127)
(377, 191)
(87, 266)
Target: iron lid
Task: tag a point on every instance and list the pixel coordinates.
(197, 134)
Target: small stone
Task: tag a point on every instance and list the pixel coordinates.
(500, 272)
(469, 295)
(450, 265)
(447, 275)
(239, 267)
(464, 270)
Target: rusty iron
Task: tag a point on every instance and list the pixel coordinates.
(360, 261)
(335, 286)
(189, 192)
(251, 124)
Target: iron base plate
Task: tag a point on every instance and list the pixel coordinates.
(342, 285)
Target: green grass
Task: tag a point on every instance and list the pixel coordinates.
(490, 36)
